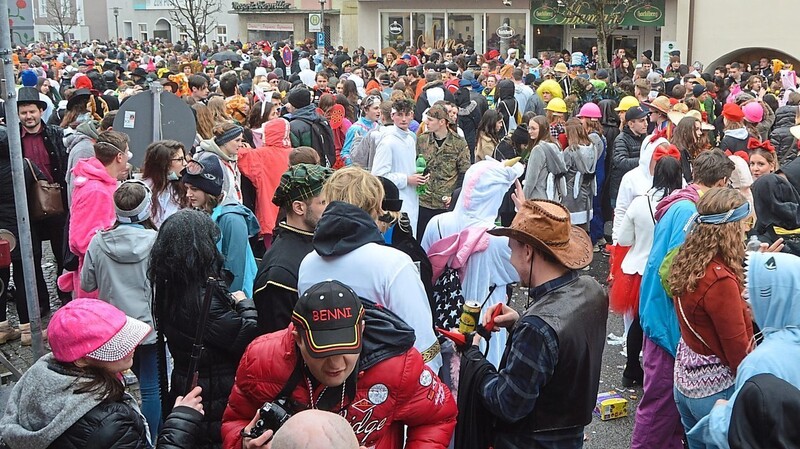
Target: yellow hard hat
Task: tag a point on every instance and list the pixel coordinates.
(557, 105)
(627, 103)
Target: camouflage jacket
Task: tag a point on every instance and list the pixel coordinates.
(444, 164)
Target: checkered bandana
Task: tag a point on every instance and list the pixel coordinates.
(300, 182)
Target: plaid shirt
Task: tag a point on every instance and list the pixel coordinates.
(528, 364)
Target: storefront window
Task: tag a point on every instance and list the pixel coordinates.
(465, 29)
(547, 38)
(629, 43)
(429, 29)
(512, 28)
(395, 30)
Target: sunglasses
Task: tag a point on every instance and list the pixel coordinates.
(195, 168)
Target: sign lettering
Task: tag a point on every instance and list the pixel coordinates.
(651, 13)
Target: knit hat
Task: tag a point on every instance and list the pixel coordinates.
(300, 182)
(468, 75)
(206, 175)
(391, 196)
(733, 112)
(261, 71)
(272, 76)
(95, 329)
(520, 135)
(28, 78)
(753, 112)
(698, 89)
(299, 97)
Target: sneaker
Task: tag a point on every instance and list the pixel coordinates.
(596, 247)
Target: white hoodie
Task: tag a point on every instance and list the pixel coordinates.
(636, 182)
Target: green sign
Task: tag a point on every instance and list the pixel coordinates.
(648, 13)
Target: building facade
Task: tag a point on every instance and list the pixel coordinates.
(291, 20)
(705, 31)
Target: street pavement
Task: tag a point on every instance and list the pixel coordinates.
(613, 434)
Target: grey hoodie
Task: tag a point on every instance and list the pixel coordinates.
(42, 407)
(80, 145)
(116, 266)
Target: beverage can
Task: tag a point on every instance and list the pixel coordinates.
(470, 317)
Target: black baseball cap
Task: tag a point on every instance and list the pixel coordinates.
(328, 317)
(635, 113)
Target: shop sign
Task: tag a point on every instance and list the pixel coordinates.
(277, 5)
(395, 28)
(649, 13)
(505, 32)
(262, 26)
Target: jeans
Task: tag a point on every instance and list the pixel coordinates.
(692, 409)
(145, 366)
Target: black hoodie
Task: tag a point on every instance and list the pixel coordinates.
(776, 205)
(344, 228)
(764, 415)
(506, 104)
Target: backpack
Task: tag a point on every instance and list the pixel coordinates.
(448, 297)
(322, 140)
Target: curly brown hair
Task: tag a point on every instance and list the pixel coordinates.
(708, 240)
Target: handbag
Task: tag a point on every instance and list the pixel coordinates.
(44, 200)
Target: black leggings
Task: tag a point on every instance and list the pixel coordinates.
(20, 296)
(634, 342)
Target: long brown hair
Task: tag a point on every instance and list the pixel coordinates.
(94, 380)
(157, 161)
(205, 120)
(576, 135)
(544, 131)
(684, 137)
(709, 240)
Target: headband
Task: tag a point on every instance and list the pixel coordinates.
(139, 213)
(228, 135)
(731, 216)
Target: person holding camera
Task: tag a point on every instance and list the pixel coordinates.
(346, 355)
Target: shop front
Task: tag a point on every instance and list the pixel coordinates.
(284, 21)
(640, 30)
(451, 25)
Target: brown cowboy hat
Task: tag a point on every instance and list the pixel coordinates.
(546, 226)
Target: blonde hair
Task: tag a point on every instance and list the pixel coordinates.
(709, 240)
(356, 186)
(217, 107)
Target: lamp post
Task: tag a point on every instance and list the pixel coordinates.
(116, 20)
(322, 22)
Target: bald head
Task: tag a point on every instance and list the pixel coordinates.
(315, 429)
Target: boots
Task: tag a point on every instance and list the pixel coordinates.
(25, 329)
(8, 333)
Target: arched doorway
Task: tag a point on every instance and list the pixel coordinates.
(163, 30)
(751, 55)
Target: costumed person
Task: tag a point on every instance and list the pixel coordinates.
(458, 240)
(264, 166)
(545, 389)
(773, 286)
(544, 174)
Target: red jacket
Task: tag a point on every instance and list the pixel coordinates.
(264, 167)
(717, 312)
(412, 396)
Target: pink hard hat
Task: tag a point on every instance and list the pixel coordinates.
(590, 110)
(753, 112)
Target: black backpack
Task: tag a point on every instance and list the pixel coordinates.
(322, 140)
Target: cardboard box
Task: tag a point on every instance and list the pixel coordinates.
(610, 405)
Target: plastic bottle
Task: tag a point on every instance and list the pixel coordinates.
(753, 245)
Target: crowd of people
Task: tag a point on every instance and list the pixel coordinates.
(322, 233)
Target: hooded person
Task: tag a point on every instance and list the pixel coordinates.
(347, 236)
(74, 396)
(469, 116)
(432, 92)
(772, 281)
(115, 266)
(458, 240)
(777, 207)
(80, 145)
(507, 105)
(763, 414)
(307, 76)
(637, 181)
(264, 167)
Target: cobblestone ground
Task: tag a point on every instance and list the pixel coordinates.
(613, 434)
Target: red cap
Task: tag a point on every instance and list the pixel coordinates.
(733, 112)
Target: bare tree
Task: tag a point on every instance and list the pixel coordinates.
(604, 15)
(195, 18)
(62, 17)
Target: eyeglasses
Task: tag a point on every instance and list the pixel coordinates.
(178, 159)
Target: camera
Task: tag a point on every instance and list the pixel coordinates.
(271, 416)
(506, 2)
